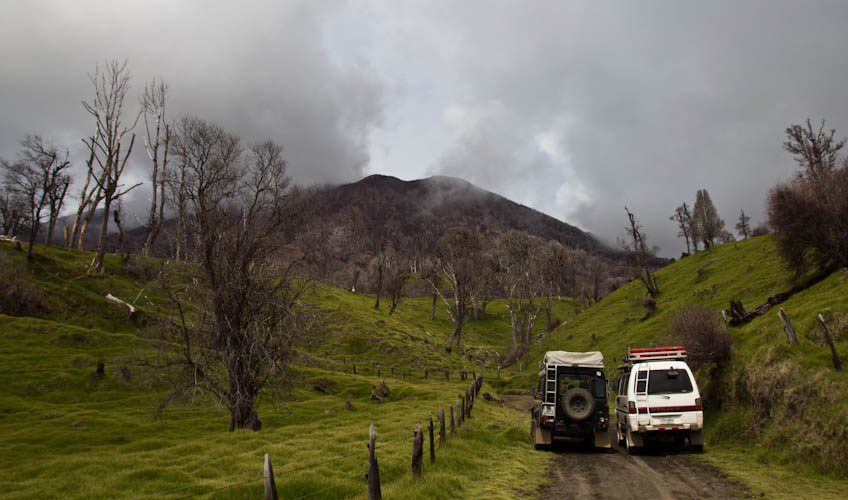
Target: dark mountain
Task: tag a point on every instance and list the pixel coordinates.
(426, 207)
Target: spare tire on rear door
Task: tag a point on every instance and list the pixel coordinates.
(577, 403)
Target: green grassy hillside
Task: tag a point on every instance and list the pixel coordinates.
(68, 432)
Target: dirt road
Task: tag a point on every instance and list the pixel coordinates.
(578, 472)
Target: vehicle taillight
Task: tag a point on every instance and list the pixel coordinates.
(698, 405)
(631, 407)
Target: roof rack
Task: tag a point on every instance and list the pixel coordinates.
(656, 354)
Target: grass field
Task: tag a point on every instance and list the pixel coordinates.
(69, 433)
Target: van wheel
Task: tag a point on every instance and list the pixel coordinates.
(628, 442)
(698, 448)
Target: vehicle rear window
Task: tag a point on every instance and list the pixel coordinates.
(599, 389)
(669, 382)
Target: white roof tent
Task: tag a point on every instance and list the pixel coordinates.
(592, 359)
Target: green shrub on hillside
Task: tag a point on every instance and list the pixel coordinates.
(18, 296)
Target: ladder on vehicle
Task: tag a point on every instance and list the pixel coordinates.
(550, 384)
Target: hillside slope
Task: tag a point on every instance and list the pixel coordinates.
(773, 403)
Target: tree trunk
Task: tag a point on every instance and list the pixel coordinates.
(433, 308)
(101, 242)
(243, 414)
(457, 332)
(379, 285)
(92, 208)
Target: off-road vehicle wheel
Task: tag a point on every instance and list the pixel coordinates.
(578, 404)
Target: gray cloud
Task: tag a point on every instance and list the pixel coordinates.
(259, 69)
(572, 108)
(646, 102)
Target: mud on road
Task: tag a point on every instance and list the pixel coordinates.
(579, 472)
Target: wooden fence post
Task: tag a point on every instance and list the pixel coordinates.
(270, 486)
(417, 450)
(441, 426)
(787, 327)
(373, 471)
(432, 441)
(354, 369)
(836, 363)
(452, 429)
(469, 400)
(462, 410)
(447, 374)
(426, 373)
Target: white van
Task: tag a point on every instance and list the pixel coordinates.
(658, 400)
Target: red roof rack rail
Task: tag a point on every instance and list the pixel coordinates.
(656, 353)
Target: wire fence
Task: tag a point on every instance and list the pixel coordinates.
(463, 412)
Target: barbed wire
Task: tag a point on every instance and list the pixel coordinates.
(262, 476)
(181, 488)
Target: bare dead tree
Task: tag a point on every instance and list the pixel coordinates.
(176, 185)
(520, 277)
(89, 198)
(743, 227)
(240, 340)
(459, 250)
(683, 217)
(110, 90)
(157, 142)
(37, 178)
(640, 250)
(395, 280)
(557, 275)
(815, 150)
(355, 230)
(12, 210)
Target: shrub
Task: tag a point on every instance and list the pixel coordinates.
(700, 330)
(18, 296)
(810, 213)
(811, 221)
(760, 230)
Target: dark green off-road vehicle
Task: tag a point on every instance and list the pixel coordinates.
(571, 400)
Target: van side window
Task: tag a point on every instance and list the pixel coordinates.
(625, 379)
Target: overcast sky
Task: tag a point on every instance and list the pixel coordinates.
(572, 108)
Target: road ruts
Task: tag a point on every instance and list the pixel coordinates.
(582, 473)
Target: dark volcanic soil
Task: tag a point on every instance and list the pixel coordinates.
(579, 472)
